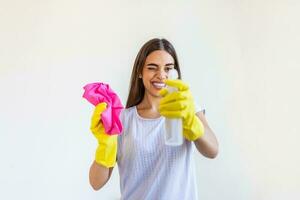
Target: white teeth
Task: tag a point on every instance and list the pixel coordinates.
(159, 85)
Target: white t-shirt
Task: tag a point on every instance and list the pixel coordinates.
(149, 169)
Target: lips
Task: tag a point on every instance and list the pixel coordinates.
(159, 85)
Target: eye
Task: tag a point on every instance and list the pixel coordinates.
(168, 68)
(151, 68)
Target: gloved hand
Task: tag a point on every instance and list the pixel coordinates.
(106, 152)
(180, 104)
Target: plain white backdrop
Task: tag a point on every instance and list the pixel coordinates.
(241, 59)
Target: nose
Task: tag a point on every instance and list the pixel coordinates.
(161, 74)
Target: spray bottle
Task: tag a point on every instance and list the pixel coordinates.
(173, 126)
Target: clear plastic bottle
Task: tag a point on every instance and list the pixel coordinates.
(173, 126)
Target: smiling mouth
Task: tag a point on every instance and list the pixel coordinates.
(158, 85)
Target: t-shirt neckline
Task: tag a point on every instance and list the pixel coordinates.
(143, 118)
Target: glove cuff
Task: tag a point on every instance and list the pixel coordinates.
(106, 152)
(195, 130)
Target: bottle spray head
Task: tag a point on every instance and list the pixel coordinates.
(172, 74)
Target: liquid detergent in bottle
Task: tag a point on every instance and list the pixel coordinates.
(173, 126)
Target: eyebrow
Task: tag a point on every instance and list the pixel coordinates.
(153, 64)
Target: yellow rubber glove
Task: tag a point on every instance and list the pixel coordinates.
(106, 152)
(180, 104)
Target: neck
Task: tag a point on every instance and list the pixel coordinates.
(149, 102)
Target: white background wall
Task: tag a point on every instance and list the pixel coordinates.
(241, 59)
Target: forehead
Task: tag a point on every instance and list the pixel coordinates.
(159, 56)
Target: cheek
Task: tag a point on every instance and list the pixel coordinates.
(147, 80)
(148, 75)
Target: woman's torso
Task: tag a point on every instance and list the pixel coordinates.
(148, 168)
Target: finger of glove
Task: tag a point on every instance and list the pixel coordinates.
(174, 96)
(97, 114)
(99, 131)
(100, 107)
(179, 84)
(163, 92)
(173, 106)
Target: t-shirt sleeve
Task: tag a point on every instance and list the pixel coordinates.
(120, 136)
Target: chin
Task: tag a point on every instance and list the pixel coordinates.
(154, 94)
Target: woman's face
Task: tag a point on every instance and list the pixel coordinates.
(155, 70)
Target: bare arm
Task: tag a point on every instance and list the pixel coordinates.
(99, 175)
(207, 145)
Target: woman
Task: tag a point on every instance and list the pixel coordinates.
(148, 168)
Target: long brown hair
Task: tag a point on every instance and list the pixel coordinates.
(136, 88)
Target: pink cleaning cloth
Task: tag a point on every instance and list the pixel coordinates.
(97, 93)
